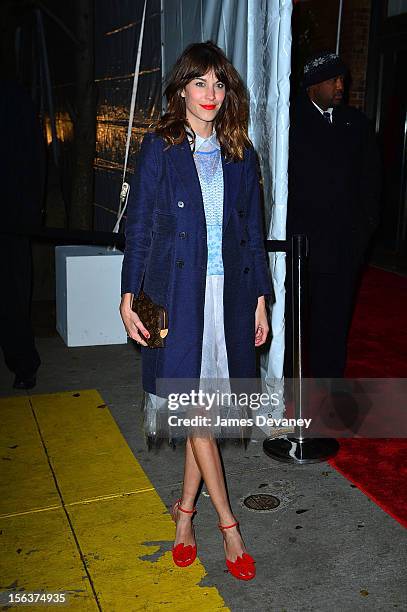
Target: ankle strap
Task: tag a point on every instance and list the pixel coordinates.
(179, 507)
(222, 527)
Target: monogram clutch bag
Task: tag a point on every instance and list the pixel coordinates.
(154, 319)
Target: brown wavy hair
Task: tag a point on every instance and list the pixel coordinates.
(232, 119)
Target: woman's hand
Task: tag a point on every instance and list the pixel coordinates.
(261, 323)
(132, 321)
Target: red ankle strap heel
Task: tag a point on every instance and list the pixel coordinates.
(182, 555)
(223, 527)
(243, 567)
(178, 504)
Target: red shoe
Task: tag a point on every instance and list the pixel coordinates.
(182, 555)
(243, 567)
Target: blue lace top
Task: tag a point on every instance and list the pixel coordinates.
(208, 163)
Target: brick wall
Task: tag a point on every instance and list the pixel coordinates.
(314, 24)
(315, 28)
(354, 46)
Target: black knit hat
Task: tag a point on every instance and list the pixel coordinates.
(321, 67)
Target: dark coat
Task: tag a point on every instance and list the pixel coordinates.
(166, 244)
(22, 160)
(334, 184)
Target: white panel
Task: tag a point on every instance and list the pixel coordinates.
(88, 295)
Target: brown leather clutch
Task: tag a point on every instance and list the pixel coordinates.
(154, 319)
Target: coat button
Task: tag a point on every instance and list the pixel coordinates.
(242, 242)
(180, 204)
(241, 213)
(246, 270)
(179, 263)
(182, 234)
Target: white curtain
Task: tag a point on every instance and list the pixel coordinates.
(256, 37)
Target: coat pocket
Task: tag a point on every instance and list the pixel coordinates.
(157, 278)
(164, 223)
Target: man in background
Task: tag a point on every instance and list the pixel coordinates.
(21, 193)
(334, 190)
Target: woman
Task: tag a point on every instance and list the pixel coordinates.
(194, 234)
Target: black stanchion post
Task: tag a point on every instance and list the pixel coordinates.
(299, 250)
(299, 449)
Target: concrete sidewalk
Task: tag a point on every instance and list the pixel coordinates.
(326, 546)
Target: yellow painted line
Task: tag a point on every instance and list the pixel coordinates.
(86, 448)
(85, 501)
(122, 531)
(38, 552)
(26, 481)
(38, 548)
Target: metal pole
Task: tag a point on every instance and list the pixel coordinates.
(299, 449)
(338, 31)
(299, 255)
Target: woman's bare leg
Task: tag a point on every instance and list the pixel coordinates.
(206, 453)
(192, 480)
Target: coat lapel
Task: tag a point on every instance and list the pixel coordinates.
(183, 162)
(232, 174)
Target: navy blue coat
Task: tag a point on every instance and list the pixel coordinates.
(166, 246)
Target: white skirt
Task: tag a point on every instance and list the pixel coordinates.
(214, 379)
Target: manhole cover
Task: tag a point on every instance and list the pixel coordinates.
(261, 502)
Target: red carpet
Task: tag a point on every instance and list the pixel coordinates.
(378, 349)
(378, 336)
(379, 469)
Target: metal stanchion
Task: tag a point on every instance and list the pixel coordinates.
(299, 449)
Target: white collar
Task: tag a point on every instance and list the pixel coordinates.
(209, 143)
(328, 110)
(206, 143)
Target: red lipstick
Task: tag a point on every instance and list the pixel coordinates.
(208, 106)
